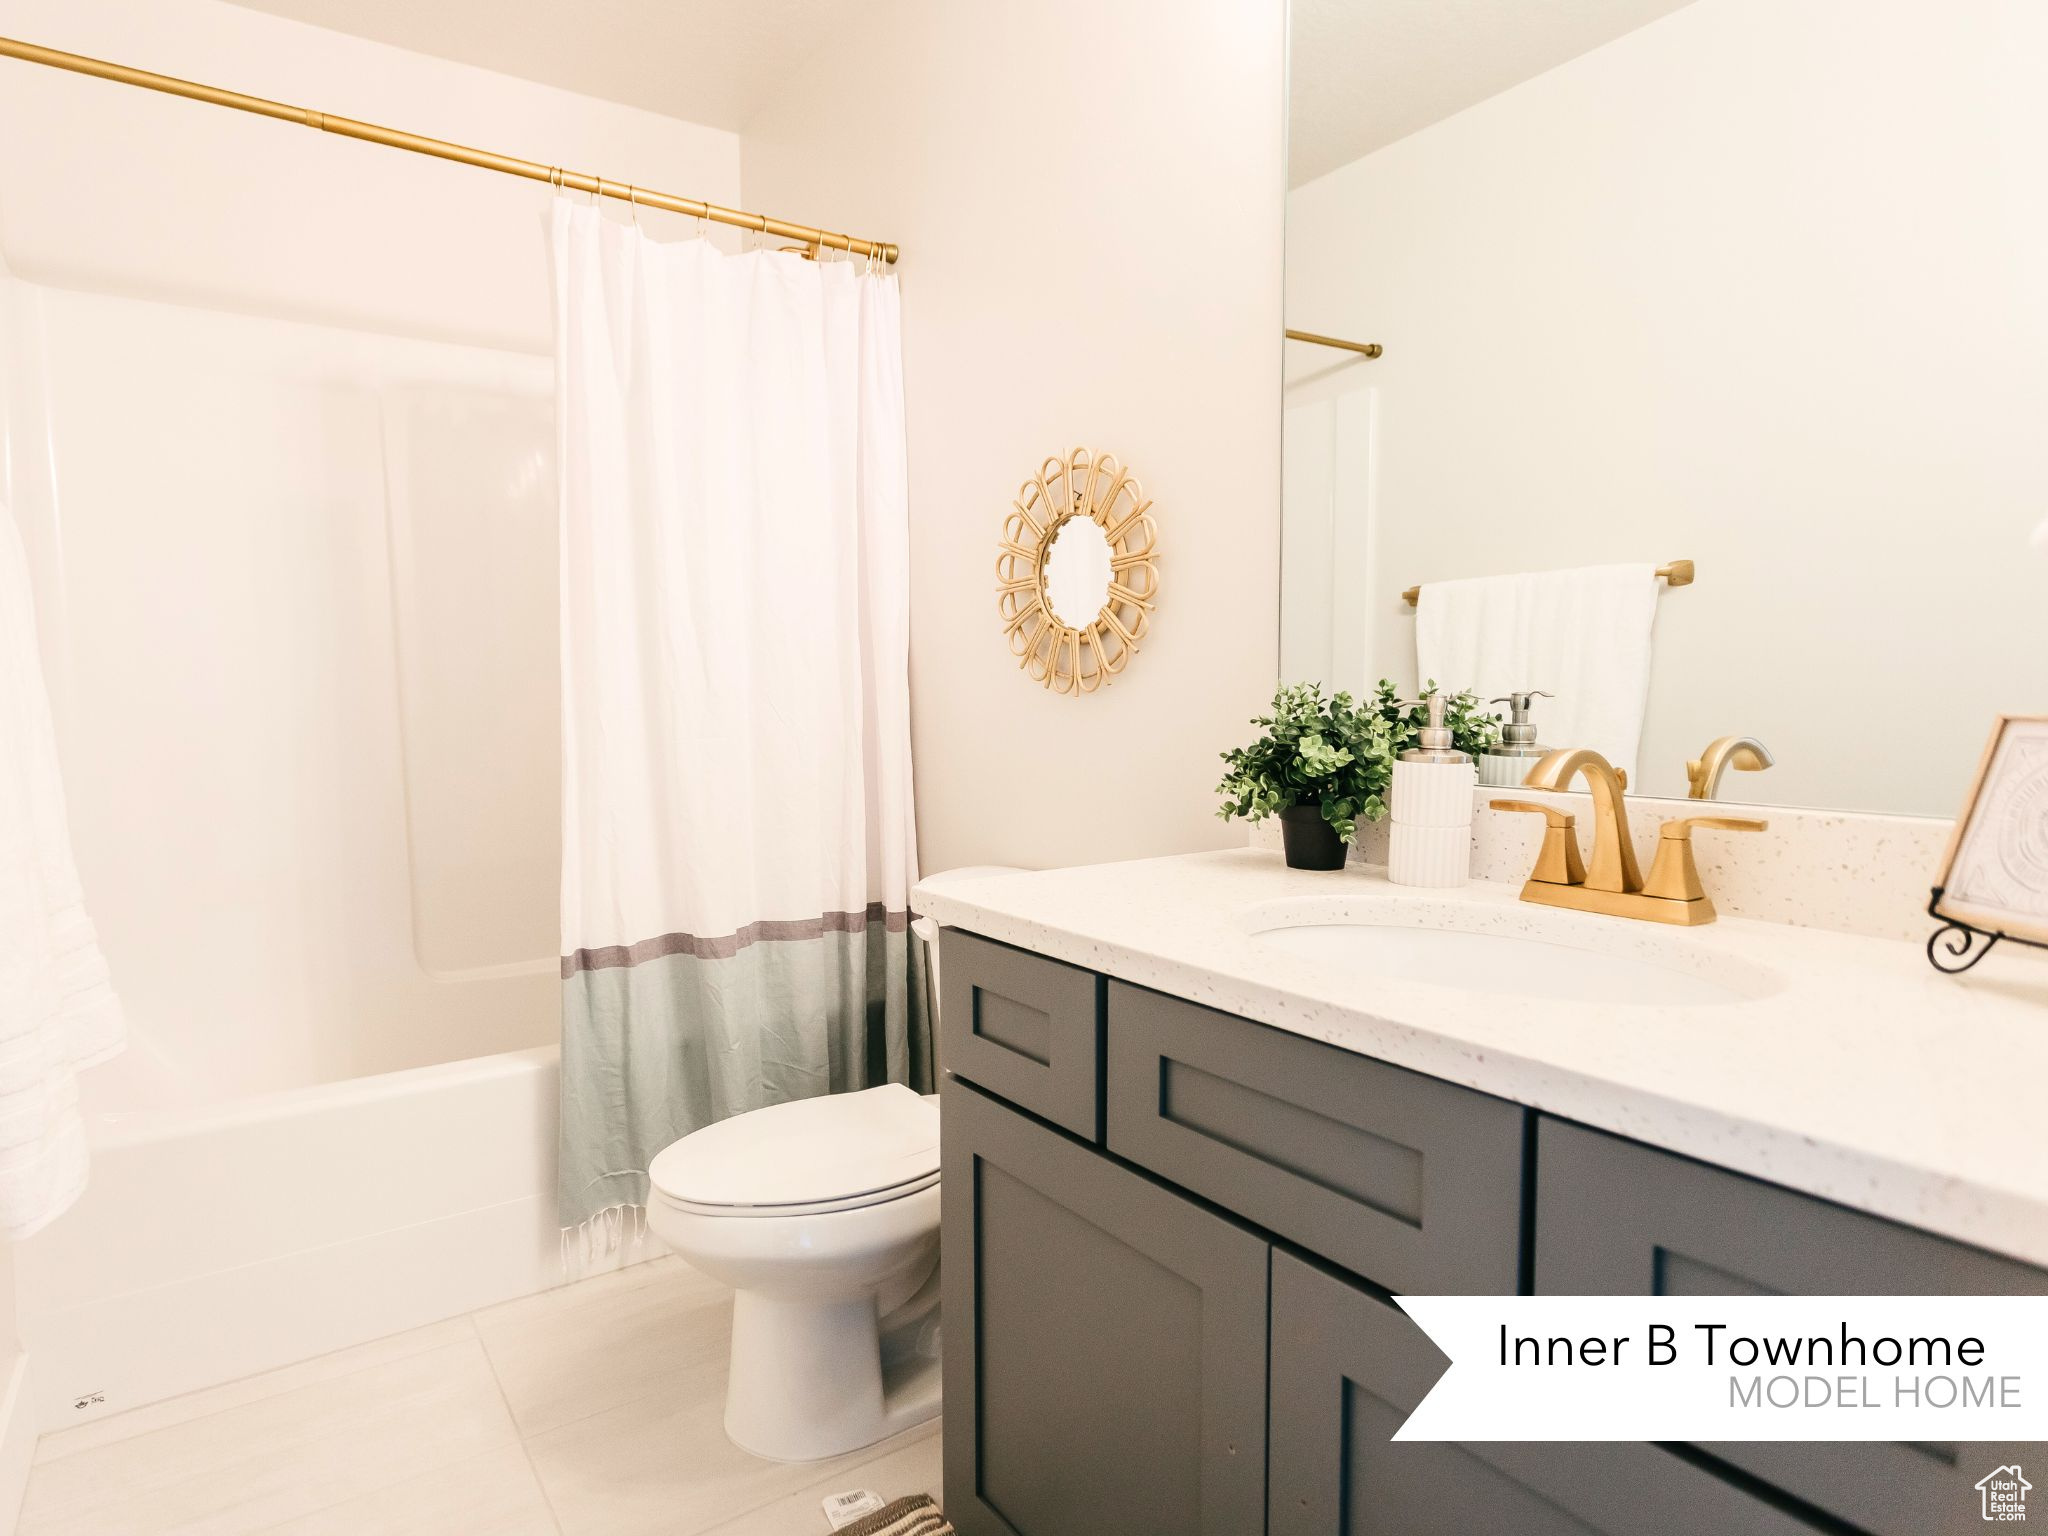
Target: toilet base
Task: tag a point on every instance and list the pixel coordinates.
(808, 1381)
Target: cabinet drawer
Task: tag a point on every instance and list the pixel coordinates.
(1347, 1368)
(1616, 1218)
(1410, 1182)
(1105, 1360)
(1024, 1027)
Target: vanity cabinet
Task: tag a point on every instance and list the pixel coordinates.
(1616, 1218)
(1025, 1027)
(1171, 1237)
(1348, 1367)
(1413, 1182)
(1106, 1336)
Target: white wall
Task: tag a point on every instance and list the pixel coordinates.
(277, 423)
(306, 685)
(1758, 285)
(1089, 200)
(120, 190)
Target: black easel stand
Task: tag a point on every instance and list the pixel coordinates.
(1956, 946)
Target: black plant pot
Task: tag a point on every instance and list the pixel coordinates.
(1311, 842)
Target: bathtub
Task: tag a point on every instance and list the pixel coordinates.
(216, 1241)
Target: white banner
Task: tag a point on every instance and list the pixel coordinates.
(1704, 1368)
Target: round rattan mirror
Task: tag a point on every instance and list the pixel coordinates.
(1076, 572)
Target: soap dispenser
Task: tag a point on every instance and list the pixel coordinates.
(1507, 765)
(1429, 837)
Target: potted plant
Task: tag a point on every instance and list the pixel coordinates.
(1320, 764)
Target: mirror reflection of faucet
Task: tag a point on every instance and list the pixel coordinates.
(1703, 773)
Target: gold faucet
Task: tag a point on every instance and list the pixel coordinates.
(1703, 773)
(1611, 882)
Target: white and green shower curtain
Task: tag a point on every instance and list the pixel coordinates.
(738, 847)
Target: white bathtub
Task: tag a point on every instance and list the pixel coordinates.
(216, 1241)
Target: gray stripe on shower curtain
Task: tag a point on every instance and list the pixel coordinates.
(769, 1019)
(725, 946)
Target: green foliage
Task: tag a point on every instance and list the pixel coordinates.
(1336, 753)
(1313, 751)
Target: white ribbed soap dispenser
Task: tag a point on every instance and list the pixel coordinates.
(1429, 837)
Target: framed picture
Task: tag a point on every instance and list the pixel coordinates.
(1994, 877)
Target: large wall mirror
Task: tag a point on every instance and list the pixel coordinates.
(1756, 284)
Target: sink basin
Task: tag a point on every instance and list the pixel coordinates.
(1440, 944)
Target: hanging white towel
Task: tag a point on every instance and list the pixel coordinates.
(1583, 635)
(58, 1013)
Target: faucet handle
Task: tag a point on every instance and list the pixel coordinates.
(1559, 862)
(1549, 813)
(1682, 826)
(1673, 874)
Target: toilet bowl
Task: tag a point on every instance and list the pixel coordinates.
(823, 1216)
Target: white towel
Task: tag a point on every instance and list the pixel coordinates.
(58, 1012)
(1583, 635)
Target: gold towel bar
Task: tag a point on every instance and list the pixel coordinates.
(1362, 348)
(1679, 573)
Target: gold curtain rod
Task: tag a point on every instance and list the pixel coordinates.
(441, 149)
(1362, 348)
(1679, 573)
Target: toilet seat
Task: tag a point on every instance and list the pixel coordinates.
(808, 1208)
(839, 1152)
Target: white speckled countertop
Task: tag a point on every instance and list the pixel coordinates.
(1849, 1068)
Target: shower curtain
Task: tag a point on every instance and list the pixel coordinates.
(738, 847)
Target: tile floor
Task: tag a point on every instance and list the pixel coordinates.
(593, 1410)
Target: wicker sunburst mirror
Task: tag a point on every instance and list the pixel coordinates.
(1076, 578)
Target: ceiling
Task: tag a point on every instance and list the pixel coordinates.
(706, 61)
(1368, 72)
(1365, 72)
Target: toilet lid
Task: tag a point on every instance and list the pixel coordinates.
(832, 1149)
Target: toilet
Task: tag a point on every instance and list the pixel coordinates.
(823, 1216)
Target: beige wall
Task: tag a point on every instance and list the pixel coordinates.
(1088, 197)
(1758, 285)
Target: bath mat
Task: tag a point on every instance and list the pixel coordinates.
(918, 1515)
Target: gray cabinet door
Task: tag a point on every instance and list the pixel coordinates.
(1616, 1218)
(1105, 1360)
(1411, 1182)
(1348, 1367)
(1023, 1026)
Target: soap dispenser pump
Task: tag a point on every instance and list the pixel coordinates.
(1507, 765)
(1429, 838)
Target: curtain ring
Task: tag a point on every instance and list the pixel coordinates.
(633, 202)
